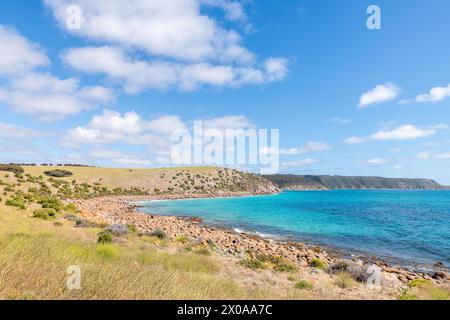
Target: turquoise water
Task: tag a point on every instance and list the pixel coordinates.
(407, 227)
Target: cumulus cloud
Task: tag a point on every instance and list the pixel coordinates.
(354, 140)
(404, 132)
(436, 94)
(161, 44)
(18, 54)
(425, 155)
(12, 131)
(381, 93)
(138, 75)
(50, 98)
(31, 91)
(311, 146)
(155, 134)
(378, 161)
(177, 29)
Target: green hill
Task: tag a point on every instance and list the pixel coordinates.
(311, 182)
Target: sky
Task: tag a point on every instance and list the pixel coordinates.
(107, 85)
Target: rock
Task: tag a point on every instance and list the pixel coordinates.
(83, 223)
(439, 265)
(440, 275)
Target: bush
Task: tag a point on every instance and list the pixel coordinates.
(51, 203)
(71, 208)
(117, 229)
(12, 168)
(104, 237)
(278, 263)
(158, 233)
(58, 224)
(58, 173)
(17, 202)
(253, 263)
(182, 239)
(344, 280)
(304, 285)
(317, 263)
(337, 267)
(420, 283)
(406, 295)
(45, 214)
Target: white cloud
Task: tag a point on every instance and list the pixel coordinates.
(378, 161)
(399, 133)
(11, 131)
(381, 93)
(113, 128)
(18, 55)
(406, 132)
(233, 9)
(428, 155)
(308, 148)
(139, 75)
(177, 29)
(50, 98)
(300, 163)
(354, 140)
(399, 166)
(33, 92)
(436, 94)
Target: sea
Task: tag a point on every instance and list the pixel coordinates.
(410, 228)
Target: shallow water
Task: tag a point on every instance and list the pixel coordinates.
(411, 228)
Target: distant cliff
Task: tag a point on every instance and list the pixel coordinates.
(309, 182)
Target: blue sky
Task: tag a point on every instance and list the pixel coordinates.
(347, 100)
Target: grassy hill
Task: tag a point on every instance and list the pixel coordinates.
(192, 180)
(310, 182)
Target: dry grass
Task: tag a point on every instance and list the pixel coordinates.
(35, 255)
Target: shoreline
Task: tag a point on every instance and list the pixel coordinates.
(228, 242)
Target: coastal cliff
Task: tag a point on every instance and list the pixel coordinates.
(326, 182)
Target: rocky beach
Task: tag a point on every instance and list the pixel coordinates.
(124, 210)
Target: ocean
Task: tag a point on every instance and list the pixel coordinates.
(406, 227)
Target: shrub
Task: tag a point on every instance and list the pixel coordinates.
(12, 168)
(117, 229)
(104, 237)
(317, 263)
(17, 202)
(58, 224)
(58, 173)
(406, 295)
(337, 267)
(420, 283)
(45, 214)
(51, 203)
(182, 239)
(304, 285)
(344, 280)
(158, 233)
(71, 208)
(253, 263)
